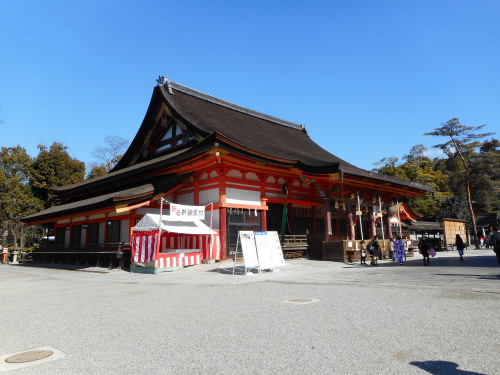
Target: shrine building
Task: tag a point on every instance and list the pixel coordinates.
(251, 171)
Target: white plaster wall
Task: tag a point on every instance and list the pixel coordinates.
(187, 199)
(215, 219)
(209, 196)
(251, 176)
(240, 196)
(234, 173)
(97, 216)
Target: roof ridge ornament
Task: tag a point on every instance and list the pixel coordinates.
(164, 81)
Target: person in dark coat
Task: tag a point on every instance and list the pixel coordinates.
(363, 252)
(374, 249)
(424, 246)
(459, 243)
(495, 242)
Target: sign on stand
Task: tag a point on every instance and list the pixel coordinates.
(246, 246)
(259, 250)
(269, 250)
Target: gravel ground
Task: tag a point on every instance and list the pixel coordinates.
(389, 319)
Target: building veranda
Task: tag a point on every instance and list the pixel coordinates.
(250, 171)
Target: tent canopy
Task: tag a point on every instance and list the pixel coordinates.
(152, 222)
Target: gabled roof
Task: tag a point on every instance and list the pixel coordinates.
(241, 130)
(249, 130)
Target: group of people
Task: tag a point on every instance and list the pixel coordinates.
(396, 249)
(425, 248)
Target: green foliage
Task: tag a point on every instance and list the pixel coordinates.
(97, 170)
(420, 168)
(52, 168)
(16, 198)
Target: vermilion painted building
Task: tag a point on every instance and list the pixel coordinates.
(251, 170)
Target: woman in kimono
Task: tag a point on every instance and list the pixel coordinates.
(399, 248)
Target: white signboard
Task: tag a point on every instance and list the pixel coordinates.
(269, 250)
(247, 242)
(183, 212)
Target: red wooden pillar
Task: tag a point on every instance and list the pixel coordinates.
(196, 189)
(223, 232)
(263, 200)
(314, 228)
(263, 217)
(327, 218)
(371, 224)
(223, 214)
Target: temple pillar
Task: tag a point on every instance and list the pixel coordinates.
(327, 218)
(223, 232)
(388, 227)
(263, 217)
(223, 213)
(372, 229)
(314, 229)
(351, 228)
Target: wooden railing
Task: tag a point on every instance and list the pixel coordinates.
(103, 255)
(294, 245)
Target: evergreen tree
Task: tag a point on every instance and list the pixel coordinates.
(462, 143)
(16, 197)
(52, 168)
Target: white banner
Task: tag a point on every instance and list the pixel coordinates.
(183, 212)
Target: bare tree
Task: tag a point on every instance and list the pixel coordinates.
(112, 152)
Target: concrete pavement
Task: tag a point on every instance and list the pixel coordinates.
(348, 319)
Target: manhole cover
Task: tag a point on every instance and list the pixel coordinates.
(303, 300)
(33, 355)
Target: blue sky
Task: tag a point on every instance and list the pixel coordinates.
(367, 78)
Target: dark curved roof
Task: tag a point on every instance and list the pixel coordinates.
(114, 197)
(253, 130)
(256, 132)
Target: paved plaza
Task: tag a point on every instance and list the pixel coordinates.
(312, 318)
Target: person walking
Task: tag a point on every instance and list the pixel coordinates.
(459, 243)
(495, 242)
(362, 258)
(424, 246)
(399, 247)
(374, 249)
(392, 254)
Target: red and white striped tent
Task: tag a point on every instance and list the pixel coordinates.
(182, 243)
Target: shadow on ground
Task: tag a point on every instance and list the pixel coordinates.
(469, 261)
(443, 368)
